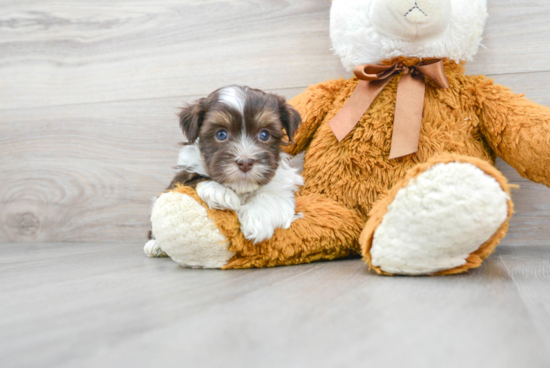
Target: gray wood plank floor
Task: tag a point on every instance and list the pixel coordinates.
(108, 305)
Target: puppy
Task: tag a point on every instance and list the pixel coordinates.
(233, 158)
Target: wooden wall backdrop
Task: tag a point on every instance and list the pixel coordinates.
(89, 90)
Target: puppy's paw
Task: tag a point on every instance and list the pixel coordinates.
(218, 196)
(256, 227)
(153, 250)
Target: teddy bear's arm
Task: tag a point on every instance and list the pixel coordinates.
(313, 105)
(517, 129)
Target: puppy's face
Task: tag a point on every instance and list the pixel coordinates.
(240, 132)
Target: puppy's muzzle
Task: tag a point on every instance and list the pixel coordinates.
(245, 165)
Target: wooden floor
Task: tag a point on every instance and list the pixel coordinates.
(107, 305)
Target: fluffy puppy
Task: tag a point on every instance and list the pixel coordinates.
(233, 158)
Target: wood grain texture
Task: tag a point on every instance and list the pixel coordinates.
(89, 92)
(515, 38)
(62, 52)
(107, 305)
(529, 268)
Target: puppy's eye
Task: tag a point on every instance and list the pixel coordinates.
(264, 135)
(221, 135)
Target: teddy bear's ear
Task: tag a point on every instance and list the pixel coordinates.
(191, 119)
(290, 118)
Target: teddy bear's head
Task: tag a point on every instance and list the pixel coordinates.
(369, 31)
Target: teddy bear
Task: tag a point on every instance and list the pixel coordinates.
(398, 160)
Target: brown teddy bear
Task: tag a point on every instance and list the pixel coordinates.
(398, 160)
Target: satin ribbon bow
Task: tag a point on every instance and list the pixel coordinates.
(408, 106)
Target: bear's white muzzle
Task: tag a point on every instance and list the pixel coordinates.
(411, 20)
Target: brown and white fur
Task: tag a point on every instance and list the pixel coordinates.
(233, 158)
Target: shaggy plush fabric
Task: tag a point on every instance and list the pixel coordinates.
(438, 219)
(179, 219)
(476, 257)
(358, 39)
(319, 235)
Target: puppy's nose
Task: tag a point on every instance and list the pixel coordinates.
(245, 164)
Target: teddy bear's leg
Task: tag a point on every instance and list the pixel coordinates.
(325, 230)
(186, 233)
(196, 236)
(444, 217)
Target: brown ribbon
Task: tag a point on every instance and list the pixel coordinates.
(408, 106)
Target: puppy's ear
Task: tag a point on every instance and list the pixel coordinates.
(290, 118)
(191, 118)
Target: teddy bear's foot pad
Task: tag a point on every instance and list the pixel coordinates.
(186, 233)
(438, 219)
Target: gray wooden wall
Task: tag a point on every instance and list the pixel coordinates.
(89, 90)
